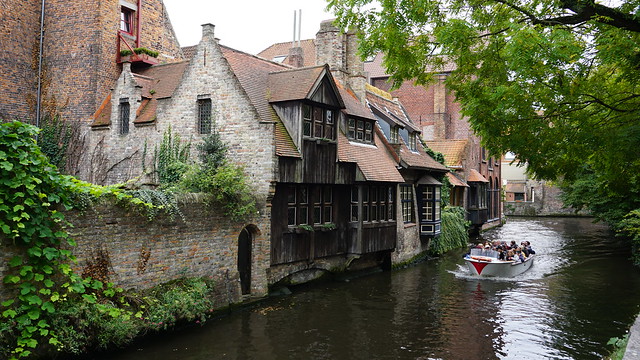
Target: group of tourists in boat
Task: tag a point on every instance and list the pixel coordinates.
(499, 258)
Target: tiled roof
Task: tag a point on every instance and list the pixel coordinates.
(102, 116)
(374, 161)
(282, 49)
(146, 111)
(455, 180)
(189, 51)
(352, 105)
(161, 79)
(419, 159)
(253, 74)
(293, 84)
(475, 176)
(453, 150)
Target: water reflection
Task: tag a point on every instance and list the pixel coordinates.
(581, 291)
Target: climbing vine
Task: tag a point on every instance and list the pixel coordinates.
(454, 231)
(33, 195)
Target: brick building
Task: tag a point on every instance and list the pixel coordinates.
(80, 57)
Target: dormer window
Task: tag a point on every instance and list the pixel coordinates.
(318, 122)
(360, 130)
(394, 135)
(126, 20)
(413, 142)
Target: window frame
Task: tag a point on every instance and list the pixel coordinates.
(318, 122)
(407, 201)
(361, 130)
(205, 115)
(127, 20)
(124, 115)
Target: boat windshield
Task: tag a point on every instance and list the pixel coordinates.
(483, 252)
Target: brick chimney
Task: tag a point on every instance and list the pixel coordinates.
(440, 113)
(296, 57)
(339, 51)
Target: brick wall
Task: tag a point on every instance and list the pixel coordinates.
(138, 253)
(19, 35)
(79, 53)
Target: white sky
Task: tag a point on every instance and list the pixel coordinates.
(247, 25)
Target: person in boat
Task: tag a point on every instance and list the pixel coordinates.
(513, 245)
(510, 255)
(520, 255)
(501, 253)
(530, 251)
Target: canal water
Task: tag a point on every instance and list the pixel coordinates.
(581, 291)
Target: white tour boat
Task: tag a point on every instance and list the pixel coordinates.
(485, 263)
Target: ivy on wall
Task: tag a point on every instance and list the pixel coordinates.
(33, 194)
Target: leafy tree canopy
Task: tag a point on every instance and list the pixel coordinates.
(553, 81)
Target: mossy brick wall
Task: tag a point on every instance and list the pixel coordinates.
(137, 253)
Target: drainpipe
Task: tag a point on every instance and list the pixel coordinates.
(39, 92)
(138, 23)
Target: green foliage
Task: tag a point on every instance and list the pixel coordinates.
(555, 82)
(224, 182)
(620, 346)
(139, 50)
(33, 193)
(454, 231)
(182, 300)
(306, 227)
(54, 139)
(172, 159)
(212, 151)
(162, 201)
(630, 226)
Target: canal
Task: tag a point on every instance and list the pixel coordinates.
(581, 291)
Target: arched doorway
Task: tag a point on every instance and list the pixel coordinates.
(245, 240)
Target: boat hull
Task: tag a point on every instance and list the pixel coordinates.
(497, 268)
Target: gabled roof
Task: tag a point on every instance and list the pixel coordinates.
(298, 84)
(390, 109)
(253, 74)
(453, 150)
(282, 49)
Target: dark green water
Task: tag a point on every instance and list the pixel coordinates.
(581, 291)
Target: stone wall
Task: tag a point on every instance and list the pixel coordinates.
(137, 253)
(546, 202)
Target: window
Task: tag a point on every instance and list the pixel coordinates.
(430, 204)
(406, 197)
(126, 20)
(394, 134)
(376, 201)
(413, 142)
(204, 116)
(318, 122)
(124, 111)
(360, 130)
(309, 205)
